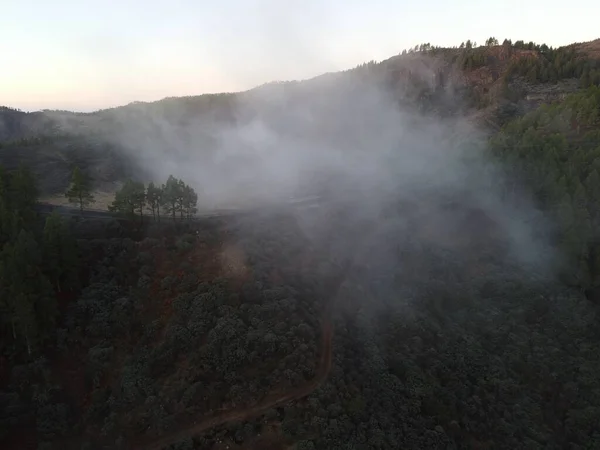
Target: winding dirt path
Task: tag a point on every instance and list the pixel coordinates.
(225, 416)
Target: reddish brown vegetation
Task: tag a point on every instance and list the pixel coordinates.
(499, 59)
(591, 49)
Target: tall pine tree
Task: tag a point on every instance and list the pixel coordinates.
(172, 195)
(130, 199)
(80, 190)
(153, 200)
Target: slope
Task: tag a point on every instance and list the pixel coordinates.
(490, 84)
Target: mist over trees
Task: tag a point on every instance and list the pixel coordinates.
(130, 199)
(175, 198)
(80, 190)
(562, 170)
(443, 293)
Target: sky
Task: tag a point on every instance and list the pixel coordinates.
(85, 55)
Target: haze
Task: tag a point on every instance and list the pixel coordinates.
(84, 55)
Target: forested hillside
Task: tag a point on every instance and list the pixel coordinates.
(440, 303)
(106, 338)
(490, 83)
(555, 151)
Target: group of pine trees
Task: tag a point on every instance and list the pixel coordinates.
(174, 199)
(38, 262)
(80, 190)
(35, 263)
(550, 65)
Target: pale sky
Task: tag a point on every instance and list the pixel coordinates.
(88, 54)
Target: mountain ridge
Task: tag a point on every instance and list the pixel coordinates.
(590, 49)
(489, 85)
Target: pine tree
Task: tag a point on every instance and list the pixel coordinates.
(172, 195)
(190, 200)
(130, 199)
(181, 188)
(80, 191)
(154, 199)
(139, 198)
(122, 203)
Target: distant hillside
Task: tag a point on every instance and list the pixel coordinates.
(15, 124)
(490, 84)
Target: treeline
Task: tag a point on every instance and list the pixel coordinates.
(556, 149)
(470, 55)
(40, 139)
(35, 264)
(552, 65)
(174, 199)
(473, 56)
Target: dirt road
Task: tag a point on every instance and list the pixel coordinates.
(237, 415)
(272, 401)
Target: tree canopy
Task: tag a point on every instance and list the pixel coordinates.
(80, 190)
(27, 267)
(175, 198)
